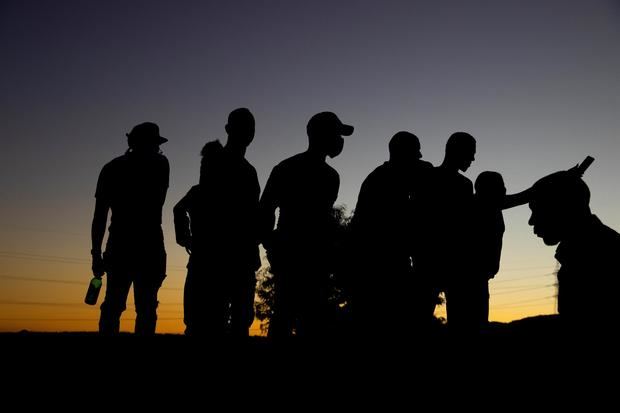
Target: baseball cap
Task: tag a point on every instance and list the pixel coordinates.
(328, 122)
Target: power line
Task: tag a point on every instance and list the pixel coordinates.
(79, 319)
(11, 277)
(522, 278)
(527, 268)
(43, 258)
(39, 303)
(520, 306)
(525, 289)
(513, 304)
(51, 280)
(60, 259)
(76, 304)
(16, 228)
(514, 287)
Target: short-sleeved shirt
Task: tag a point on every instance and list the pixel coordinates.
(134, 186)
(304, 189)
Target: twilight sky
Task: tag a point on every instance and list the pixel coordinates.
(535, 81)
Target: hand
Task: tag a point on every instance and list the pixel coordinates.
(98, 265)
(575, 171)
(185, 242)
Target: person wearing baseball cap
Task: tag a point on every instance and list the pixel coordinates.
(132, 187)
(587, 253)
(304, 188)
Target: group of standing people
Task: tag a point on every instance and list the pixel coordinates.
(417, 231)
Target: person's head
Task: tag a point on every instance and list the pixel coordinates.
(211, 155)
(145, 137)
(490, 187)
(404, 149)
(325, 132)
(240, 127)
(461, 150)
(559, 202)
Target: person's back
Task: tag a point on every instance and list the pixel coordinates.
(380, 210)
(381, 230)
(382, 213)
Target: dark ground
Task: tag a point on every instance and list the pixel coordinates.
(528, 355)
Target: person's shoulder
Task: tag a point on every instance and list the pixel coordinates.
(465, 181)
(190, 196)
(331, 172)
(378, 173)
(437, 173)
(119, 160)
(161, 159)
(247, 166)
(297, 159)
(290, 164)
(115, 164)
(422, 164)
(606, 233)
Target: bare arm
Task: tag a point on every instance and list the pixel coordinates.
(100, 219)
(517, 199)
(182, 223)
(267, 208)
(523, 197)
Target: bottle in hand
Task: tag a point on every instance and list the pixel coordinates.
(93, 291)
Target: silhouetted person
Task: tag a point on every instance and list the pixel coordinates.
(487, 235)
(443, 215)
(384, 292)
(133, 187)
(304, 189)
(588, 278)
(217, 223)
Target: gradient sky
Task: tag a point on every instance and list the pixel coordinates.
(535, 81)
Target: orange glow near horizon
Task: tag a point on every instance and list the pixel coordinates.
(45, 292)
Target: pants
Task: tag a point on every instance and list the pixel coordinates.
(145, 289)
(146, 280)
(300, 305)
(467, 306)
(218, 300)
(387, 300)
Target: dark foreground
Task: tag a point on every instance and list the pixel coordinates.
(527, 354)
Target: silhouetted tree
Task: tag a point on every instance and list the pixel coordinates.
(264, 297)
(338, 292)
(340, 281)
